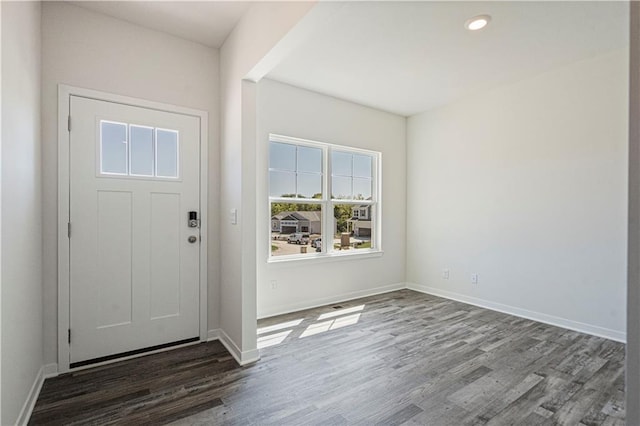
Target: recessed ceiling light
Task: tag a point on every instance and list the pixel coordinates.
(477, 22)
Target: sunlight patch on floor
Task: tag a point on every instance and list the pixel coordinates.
(321, 327)
(276, 334)
(272, 339)
(281, 326)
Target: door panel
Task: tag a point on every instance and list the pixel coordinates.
(165, 255)
(114, 241)
(134, 276)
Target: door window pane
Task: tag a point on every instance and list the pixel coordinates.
(141, 150)
(113, 147)
(166, 153)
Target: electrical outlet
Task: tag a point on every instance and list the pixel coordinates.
(445, 274)
(474, 278)
(274, 284)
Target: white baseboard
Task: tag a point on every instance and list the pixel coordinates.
(242, 358)
(594, 330)
(213, 335)
(344, 297)
(50, 370)
(32, 397)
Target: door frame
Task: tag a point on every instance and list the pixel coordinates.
(64, 307)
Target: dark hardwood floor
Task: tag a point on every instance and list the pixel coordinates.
(398, 358)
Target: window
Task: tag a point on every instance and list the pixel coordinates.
(323, 199)
(136, 150)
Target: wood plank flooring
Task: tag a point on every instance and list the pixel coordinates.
(397, 358)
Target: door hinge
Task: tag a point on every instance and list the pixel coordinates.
(69, 123)
(69, 336)
(68, 229)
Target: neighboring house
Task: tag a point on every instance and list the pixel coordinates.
(290, 222)
(360, 222)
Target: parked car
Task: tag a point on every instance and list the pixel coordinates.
(316, 242)
(298, 238)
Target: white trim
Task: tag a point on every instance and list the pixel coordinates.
(32, 397)
(242, 358)
(204, 221)
(325, 257)
(581, 327)
(64, 98)
(327, 202)
(64, 95)
(213, 335)
(50, 370)
(300, 306)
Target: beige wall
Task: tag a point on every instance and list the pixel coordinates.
(633, 284)
(22, 347)
(526, 185)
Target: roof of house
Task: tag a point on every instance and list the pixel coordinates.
(311, 216)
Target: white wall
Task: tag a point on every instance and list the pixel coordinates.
(526, 185)
(22, 352)
(89, 50)
(632, 367)
(291, 111)
(260, 29)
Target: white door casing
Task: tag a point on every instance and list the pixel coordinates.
(133, 278)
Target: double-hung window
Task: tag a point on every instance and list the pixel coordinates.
(323, 199)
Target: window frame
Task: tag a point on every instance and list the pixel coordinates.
(327, 202)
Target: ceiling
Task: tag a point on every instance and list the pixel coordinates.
(206, 22)
(406, 57)
(409, 57)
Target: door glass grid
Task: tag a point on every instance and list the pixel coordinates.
(137, 150)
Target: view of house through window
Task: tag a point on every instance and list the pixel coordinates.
(323, 198)
(296, 228)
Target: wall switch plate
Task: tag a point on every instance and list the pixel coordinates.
(474, 278)
(274, 284)
(445, 274)
(233, 216)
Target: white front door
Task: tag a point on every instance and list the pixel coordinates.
(134, 259)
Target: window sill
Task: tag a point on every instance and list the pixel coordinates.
(324, 258)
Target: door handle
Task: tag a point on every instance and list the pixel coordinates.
(192, 239)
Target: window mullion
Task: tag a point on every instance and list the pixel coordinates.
(327, 231)
(295, 192)
(128, 149)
